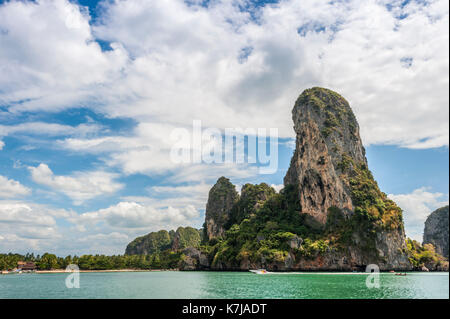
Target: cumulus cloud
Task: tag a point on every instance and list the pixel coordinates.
(416, 208)
(49, 57)
(80, 186)
(10, 188)
(148, 151)
(28, 226)
(49, 129)
(131, 215)
(2, 144)
(165, 64)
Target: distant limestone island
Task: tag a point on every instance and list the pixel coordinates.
(330, 215)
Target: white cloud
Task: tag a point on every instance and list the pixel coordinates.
(10, 188)
(81, 186)
(49, 129)
(416, 208)
(167, 65)
(27, 226)
(24, 214)
(2, 144)
(49, 57)
(147, 151)
(277, 187)
(131, 215)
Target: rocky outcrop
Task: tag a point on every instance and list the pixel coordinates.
(186, 237)
(163, 240)
(221, 199)
(252, 198)
(151, 243)
(331, 172)
(331, 214)
(327, 137)
(436, 231)
(194, 259)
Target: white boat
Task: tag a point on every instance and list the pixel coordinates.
(259, 271)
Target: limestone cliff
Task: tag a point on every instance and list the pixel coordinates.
(162, 240)
(436, 231)
(327, 138)
(331, 171)
(186, 237)
(331, 214)
(221, 198)
(150, 243)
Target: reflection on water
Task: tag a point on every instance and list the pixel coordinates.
(167, 284)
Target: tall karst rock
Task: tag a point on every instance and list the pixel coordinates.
(221, 199)
(327, 139)
(330, 168)
(436, 230)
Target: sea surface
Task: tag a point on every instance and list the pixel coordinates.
(173, 285)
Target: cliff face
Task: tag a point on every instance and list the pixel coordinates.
(436, 230)
(163, 240)
(330, 168)
(186, 237)
(148, 244)
(221, 198)
(327, 137)
(331, 214)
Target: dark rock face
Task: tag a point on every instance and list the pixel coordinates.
(436, 230)
(327, 131)
(194, 259)
(222, 197)
(330, 168)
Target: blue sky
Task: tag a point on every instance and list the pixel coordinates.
(91, 92)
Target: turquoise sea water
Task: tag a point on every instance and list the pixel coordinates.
(173, 285)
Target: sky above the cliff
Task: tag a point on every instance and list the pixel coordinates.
(90, 91)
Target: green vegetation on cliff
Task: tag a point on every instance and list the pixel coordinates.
(425, 255)
(163, 240)
(151, 243)
(186, 237)
(266, 231)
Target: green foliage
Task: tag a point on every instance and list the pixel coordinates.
(264, 234)
(188, 237)
(311, 248)
(47, 262)
(370, 204)
(163, 260)
(153, 242)
(252, 197)
(420, 255)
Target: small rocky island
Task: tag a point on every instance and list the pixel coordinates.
(330, 215)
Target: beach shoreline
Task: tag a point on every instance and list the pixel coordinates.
(56, 271)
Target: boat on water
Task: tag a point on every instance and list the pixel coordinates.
(400, 274)
(259, 271)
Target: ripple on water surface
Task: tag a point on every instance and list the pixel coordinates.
(173, 285)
